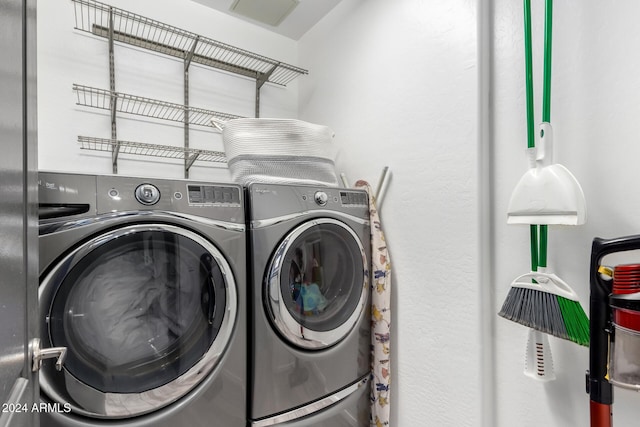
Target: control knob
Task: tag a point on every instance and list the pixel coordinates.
(321, 198)
(147, 194)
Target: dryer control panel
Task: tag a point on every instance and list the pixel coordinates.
(353, 198)
(277, 200)
(213, 194)
(209, 200)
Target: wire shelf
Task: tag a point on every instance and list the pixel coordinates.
(95, 18)
(154, 150)
(147, 107)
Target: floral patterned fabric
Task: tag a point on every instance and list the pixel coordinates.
(380, 318)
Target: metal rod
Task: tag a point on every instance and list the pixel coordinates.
(257, 106)
(112, 86)
(187, 60)
(189, 161)
(382, 183)
(261, 79)
(264, 77)
(187, 165)
(344, 179)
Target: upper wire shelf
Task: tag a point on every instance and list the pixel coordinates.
(98, 18)
(147, 107)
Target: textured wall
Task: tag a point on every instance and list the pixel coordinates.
(397, 83)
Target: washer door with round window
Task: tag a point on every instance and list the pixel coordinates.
(145, 312)
(317, 284)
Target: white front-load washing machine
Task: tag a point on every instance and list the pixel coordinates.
(143, 282)
(309, 306)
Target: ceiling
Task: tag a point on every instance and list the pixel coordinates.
(301, 19)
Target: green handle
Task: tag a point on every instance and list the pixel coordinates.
(531, 133)
(546, 88)
(528, 60)
(538, 247)
(546, 109)
(542, 253)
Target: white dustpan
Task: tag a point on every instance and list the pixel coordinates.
(548, 193)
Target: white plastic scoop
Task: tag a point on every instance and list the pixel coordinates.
(547, 193)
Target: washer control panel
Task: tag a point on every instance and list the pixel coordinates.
(147, 194)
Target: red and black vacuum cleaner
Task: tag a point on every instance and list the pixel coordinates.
(614, 351)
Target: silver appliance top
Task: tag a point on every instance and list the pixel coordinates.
(277, 200)
(93, 195)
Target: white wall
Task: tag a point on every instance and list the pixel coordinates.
(397, 81)
(67, 56)
(594, 110)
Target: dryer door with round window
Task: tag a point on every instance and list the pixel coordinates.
(145, 312)
(317, 283)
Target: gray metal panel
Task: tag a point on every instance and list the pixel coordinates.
(273, 201)
(220, 400)
(283, 377)
(173, 197)
(18, 215)
(60, 188)
(351, 410)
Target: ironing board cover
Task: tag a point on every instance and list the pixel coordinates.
(380, 317)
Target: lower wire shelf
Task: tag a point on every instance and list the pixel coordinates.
(154, 150)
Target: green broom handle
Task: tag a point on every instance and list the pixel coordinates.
(533, 231)
(546, 108)
(528, 60)
(546, 89)
(531, 134)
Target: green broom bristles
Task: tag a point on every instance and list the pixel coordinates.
(575, 320)
(548, 313)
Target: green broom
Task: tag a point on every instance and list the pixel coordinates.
(544, 303)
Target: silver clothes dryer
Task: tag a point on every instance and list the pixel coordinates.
(143, 281)
(309, 306)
